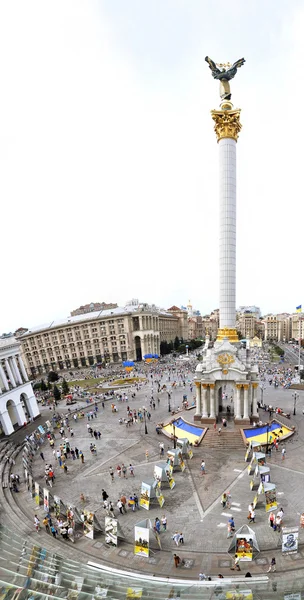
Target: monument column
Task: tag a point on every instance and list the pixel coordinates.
(238, 402)
(212, 401)
(227, 128)
(255, 412)
(4, 378)
(198, 410)
(246, 412)
(205, 409)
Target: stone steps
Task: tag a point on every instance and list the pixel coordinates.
(227, 439)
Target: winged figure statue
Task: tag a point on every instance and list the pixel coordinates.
(224, 75)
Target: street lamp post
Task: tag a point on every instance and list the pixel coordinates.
(295, 398)
(267, 441)
(169, 398)
(174, 438)
(146, 430)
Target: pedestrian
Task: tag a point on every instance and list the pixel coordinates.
(164, 522)
(157, 525)
(76, 452)
(124, 503)
(147, 455)
(181, 538)
(104, 495)
(54, 531)
(283, 453)
(118, 469)
(272, 566)
(42, 455)
(71, 432)
(219, 430)
(111, 510)
(120, 506)
(177, 560)
(252, 516)
(46, 524)
(203, 466)
(81, 456)
(124, 470)
(176, 537)
(135, 498)
(65, 468)
(131, 469)
(37, 523)
(236, 563)
(271, 519)
(278, 522)
(111, 471)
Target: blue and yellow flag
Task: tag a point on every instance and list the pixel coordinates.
(299, 308)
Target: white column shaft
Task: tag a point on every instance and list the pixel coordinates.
(205, 408)
(212, 402)
(10, 373)
(238, 403)
(198, 409)
(246, 412)
(16, 370)
(3, 377)
(255, 403)
(22, 368)
(227, 250)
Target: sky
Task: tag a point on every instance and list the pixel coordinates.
(109, 161)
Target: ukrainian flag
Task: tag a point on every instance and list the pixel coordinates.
(299, 308)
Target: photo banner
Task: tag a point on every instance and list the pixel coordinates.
(88, 524)
(57, 504)
(239, 595)
(37, 496)
(181, 462)
(247, 454)
(244, 548)
(30, 485)
(46, 500)
(141, 545)
(111, 531)
(159, 494)
(171, 481)
(145, 494)
(271, 500)
(134, 593)
(290, 540)
(255, 500)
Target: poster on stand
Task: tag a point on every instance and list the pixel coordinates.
(171, 481)
(111, 531)
(30, 485)
(141, 545)
(145, 493)
(37, 496)
(133, 593)
(88, 524)
(159, 495)
(190, 453)
(181, 462)
(270, 499)
(244, 548)
(247, 453)
(290, 540)
(261, 488)
(239, 595)
(57, 504)
(251, 484)
(46, 500)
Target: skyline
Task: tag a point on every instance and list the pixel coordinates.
(109, 161)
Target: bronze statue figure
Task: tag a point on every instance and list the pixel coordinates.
(224, 75)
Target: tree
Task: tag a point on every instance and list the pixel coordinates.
(52, 376)
(65, 387)
(43, 386)
(57, 393)
(176, 343)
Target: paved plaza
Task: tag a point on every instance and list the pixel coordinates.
(193, 507)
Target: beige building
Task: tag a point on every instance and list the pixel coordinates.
(246, 324)
(92, 307)
(296, 326)
(112, 336)
(210, 324)
(277, 327)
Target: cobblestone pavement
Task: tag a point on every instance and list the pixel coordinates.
(192, 507)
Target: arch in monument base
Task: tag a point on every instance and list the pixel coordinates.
(209, 397)
(17, 406)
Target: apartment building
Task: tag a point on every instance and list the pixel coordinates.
(114, 335)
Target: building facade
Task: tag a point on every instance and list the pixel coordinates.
(246, 324)
(115, 335)
(17, 400)
(92, 307)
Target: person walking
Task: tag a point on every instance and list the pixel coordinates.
(120, 506)
(283, 453)
(181, 538)
(131, 469)
(37, 523)
(124, 470)
(104, 495)
(157, 525)
(124, 503)
(164, 522)
(272, 566)
(176, 537)
(111, 471)
(271, 519)
(177, 560)
(42, 455)
(252, 516)
(203, 467)
(236, 563)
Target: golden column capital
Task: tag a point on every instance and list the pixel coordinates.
(227, 123)
(198, 384)
(205, 385)
(255, 384)
(211, 385)
(246, 386)
(239, 386)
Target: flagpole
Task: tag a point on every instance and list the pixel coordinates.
(299, 348)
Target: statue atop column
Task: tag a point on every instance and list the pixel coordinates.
(224, 74)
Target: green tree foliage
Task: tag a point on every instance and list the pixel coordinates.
(65, 387)
(57, 393)
(52, 376)
(43, 386)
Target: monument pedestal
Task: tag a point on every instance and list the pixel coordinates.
(208, 420)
